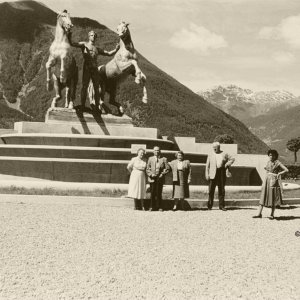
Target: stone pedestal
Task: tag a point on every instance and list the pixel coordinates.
(70, 121)
(73, 146)
(65, 115)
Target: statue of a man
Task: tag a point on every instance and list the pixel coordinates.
(90, 53)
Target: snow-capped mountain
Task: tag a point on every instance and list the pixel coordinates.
(244, 103)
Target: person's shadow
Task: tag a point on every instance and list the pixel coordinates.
(97, 116)
(286, 218)
(286, 207)
(83, 123)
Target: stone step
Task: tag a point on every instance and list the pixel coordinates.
(86, 152)
(85, 140)
(103, 171)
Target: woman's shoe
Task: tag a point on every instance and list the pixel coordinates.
(271, 218)
(174, 208)
(257, 217)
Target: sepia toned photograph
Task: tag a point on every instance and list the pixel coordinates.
(149, 149)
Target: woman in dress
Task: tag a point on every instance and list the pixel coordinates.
(181, 170)
(137, 181)
(271, 195)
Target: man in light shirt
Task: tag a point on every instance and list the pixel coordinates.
(215, 172)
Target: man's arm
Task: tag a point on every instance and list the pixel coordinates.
(190, 171)
(230, 161)
(80, 45)
(148, 169)
(167, 167)
(108, 53)
(207, 168)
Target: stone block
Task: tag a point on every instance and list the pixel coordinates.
(65, 115)
(189, 144)
(85, 128)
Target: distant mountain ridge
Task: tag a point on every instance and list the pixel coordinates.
(26, 32)
(245, 103)
(275, 129)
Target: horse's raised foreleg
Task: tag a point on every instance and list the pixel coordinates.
(50, 63)
(138, 72)
(143, 83)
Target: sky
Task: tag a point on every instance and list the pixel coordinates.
(254, 44)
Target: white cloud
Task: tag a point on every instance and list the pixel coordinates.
(288, 30)
(283, 57)
(197, 38)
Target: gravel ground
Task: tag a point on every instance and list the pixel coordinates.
(76, 248)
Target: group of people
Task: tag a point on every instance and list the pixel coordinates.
(217, 169)
(156, 168)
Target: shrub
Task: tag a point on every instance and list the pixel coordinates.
(293, 173)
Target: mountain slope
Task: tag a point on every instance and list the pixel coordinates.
(8, 116)
(172, 108)
(277, 128)
(244, 103)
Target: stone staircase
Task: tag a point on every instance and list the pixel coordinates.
(75, 147)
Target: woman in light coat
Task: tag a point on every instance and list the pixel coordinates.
(137, 181)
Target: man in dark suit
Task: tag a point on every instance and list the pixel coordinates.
(216, 170)
(157, 168)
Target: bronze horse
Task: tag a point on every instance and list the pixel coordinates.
(119, 68)
(65, 74)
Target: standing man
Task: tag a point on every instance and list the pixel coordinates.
(157, 168)
(90, 67)
(217, 165)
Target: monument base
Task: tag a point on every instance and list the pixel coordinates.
(71, 121)
(66, 115)
(75, 146)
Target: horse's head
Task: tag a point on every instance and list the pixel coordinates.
(64, 20)
(122, 29)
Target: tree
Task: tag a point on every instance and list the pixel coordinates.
(294, 146)
(224, 139)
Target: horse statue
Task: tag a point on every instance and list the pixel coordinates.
(65, 74)
(118, 69)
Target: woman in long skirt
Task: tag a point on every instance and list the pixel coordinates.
(271, 195)
(181, 170)
(137, 181)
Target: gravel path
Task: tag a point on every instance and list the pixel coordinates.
(76, 248)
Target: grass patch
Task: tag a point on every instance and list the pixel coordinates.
(118, 193)
(56, 192)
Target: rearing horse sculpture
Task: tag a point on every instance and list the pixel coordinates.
(119, 68)
(61, 55)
